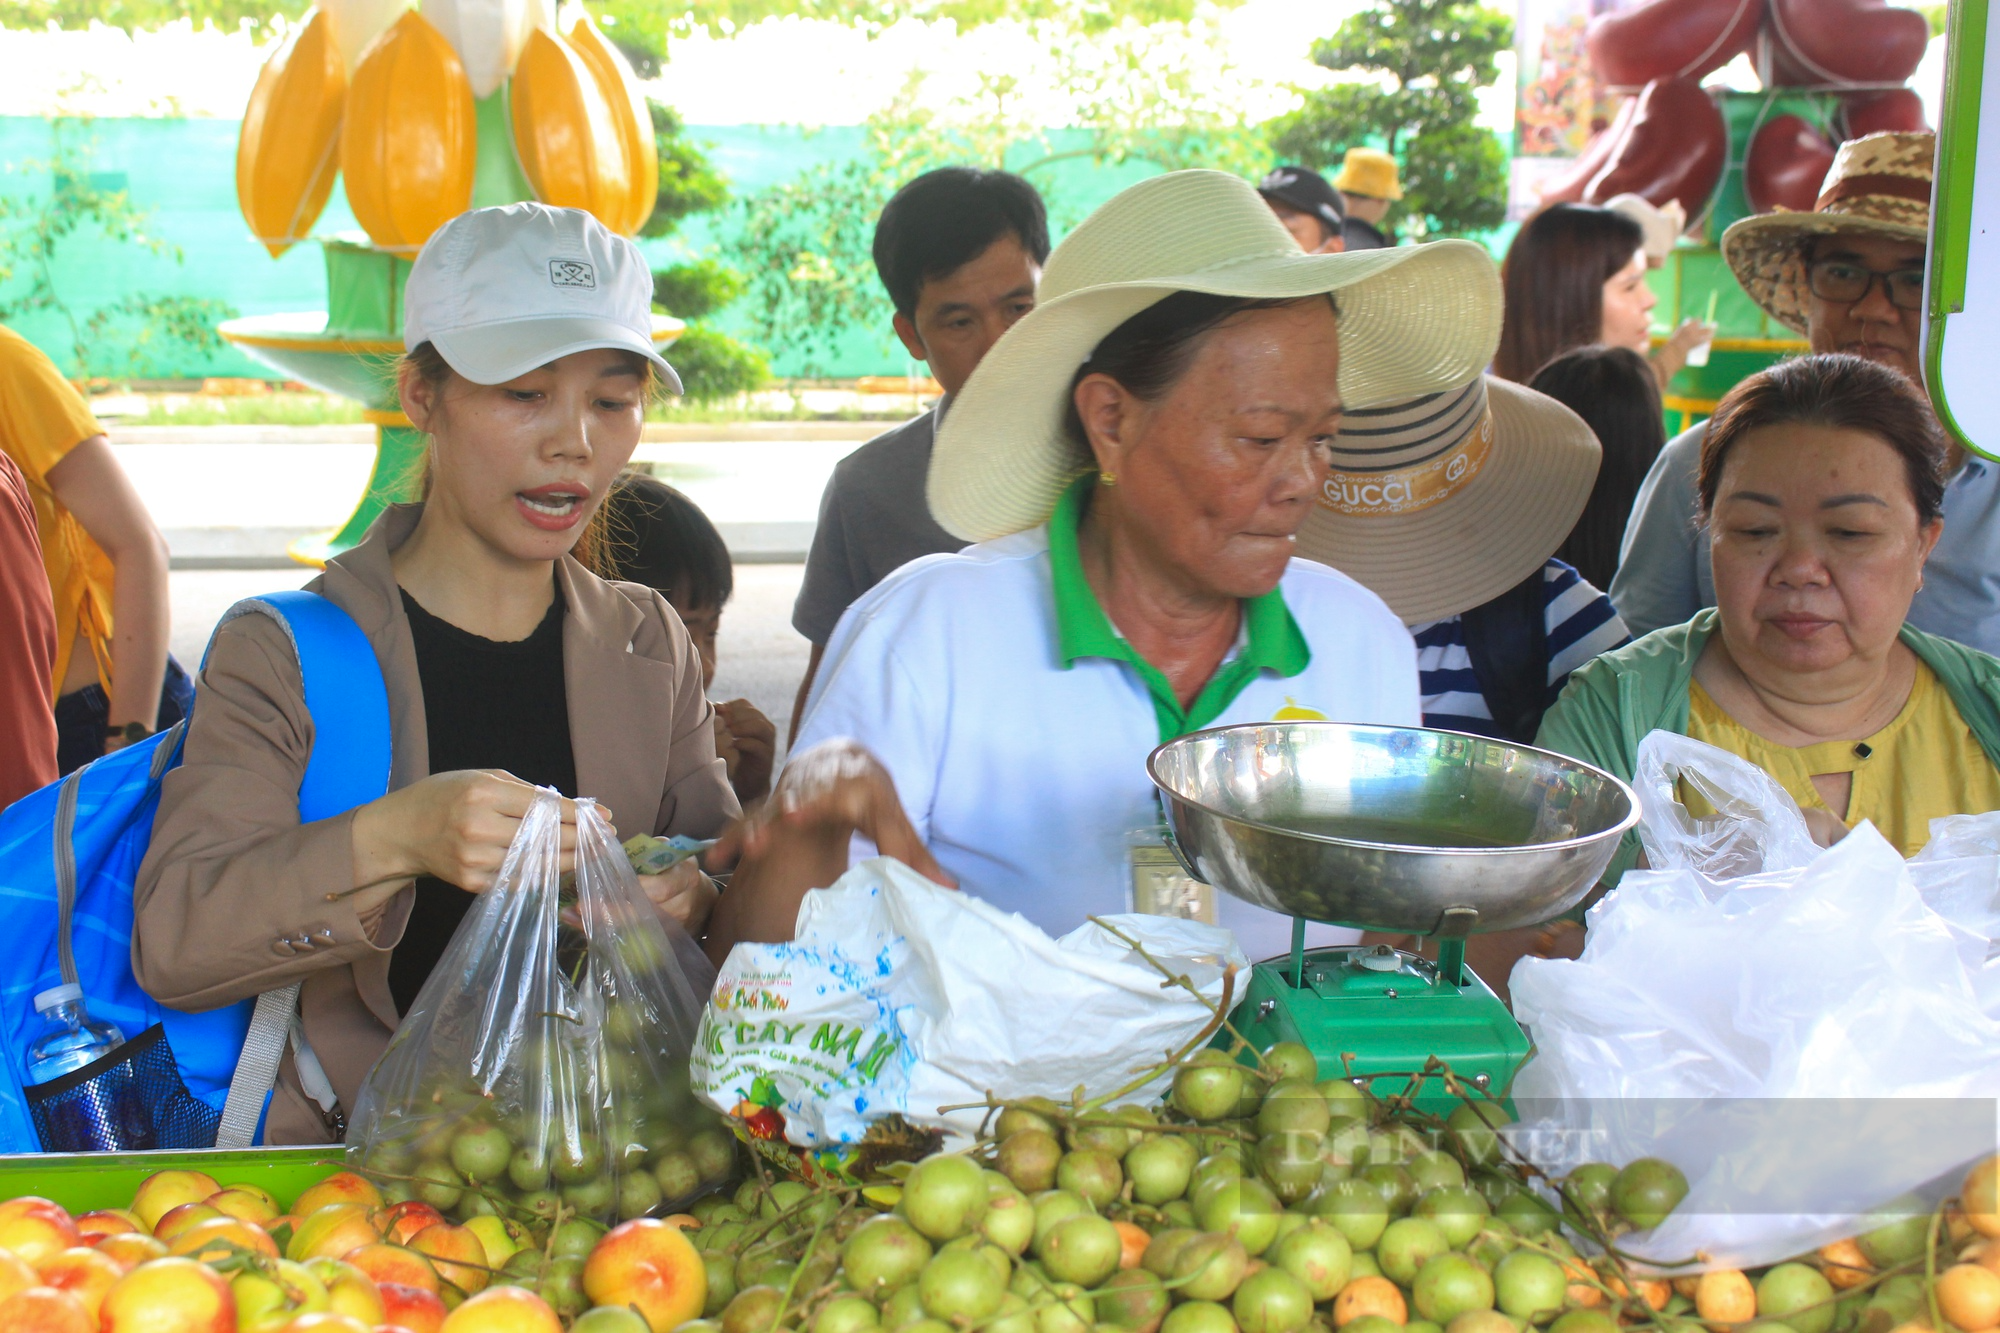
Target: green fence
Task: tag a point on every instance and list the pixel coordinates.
(181, 175)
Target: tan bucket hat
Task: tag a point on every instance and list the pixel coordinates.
(1446, 501)
(1413, 320)
(1879, 185)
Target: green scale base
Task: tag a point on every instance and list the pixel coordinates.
(1373, 1011)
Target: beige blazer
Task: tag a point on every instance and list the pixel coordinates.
(236, 897)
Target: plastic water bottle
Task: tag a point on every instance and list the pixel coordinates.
(98, 1115)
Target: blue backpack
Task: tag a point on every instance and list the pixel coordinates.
(68, 856)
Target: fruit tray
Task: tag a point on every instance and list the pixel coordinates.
(83, 1181)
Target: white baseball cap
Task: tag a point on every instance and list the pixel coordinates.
(500, 291)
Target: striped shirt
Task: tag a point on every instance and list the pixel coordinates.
(1581, 624)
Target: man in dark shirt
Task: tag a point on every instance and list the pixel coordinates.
(960, 251)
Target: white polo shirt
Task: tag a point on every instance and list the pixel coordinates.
(1025, 773)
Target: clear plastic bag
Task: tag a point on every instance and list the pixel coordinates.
(1808, 1042)
(544, 1065)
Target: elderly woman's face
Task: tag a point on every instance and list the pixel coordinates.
(1214, 478)
(1817, 549)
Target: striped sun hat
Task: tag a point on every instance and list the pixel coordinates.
(1879, 185)
(1441, 503)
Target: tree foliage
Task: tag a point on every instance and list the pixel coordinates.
(1428, 59)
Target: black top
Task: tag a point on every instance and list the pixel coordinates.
(486, 705)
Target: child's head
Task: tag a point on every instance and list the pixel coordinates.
(960, 250)
(657, 536)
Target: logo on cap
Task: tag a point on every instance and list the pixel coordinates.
(572, 273)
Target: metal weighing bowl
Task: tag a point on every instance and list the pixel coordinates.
(1395, 828)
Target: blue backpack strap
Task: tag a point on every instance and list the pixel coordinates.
(349, 765)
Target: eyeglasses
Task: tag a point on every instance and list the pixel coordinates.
(1838, 280)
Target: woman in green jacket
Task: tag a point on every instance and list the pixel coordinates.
(1820, 482)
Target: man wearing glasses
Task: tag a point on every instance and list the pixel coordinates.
(1850, 276)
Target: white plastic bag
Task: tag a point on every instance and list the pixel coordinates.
(901, 996)
(1805, 1043)
(1757, 825)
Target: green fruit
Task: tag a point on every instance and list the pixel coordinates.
(481, 1152)
(1272, 1301)
(883, 1254)
(1014, 1317)
(575, 1239)
(1458, 1210)
(1394, 1183)
(1008, 1222)
(1289, 1162)
(960, 1285)
(1895, 1241)
(845, 1314)
(441, 1184)
(1290, 1059)
(1373, 1323)
(1245, 1209)
(638, 1194)
(1210, 1267)
(1479, 1321)
(610, 1319)
(562, 1288)
(1081, 1249)
(1051, 1207)
(1472, 1125)
(578, 1162)
(472, 1205)
(1364, 1265)
(1344, 1098)
(1177, 1213)
(1160, 1169)
(541, 1205)
(1449, 1285)
(783, 1197)
(1293, 1104)
(903, 1308)
(1355, 1209)
(1645, 1191)
(1201, 1317)
(1028, 1113)
(1028, 1157)
(1530, 1286)
(1426, 1326)
(1407, 1244)
(1435, 1170)
(1001, 1261)
(1091, 1174)
(528, 1169)
(1527, 1213)
(1317, 1255)
(1116, 1140)
(706, 1208)
(592, 1197)
(1494, 1242)
(721, 1269)
(713, 1154)
(1132, 1299)
(1225, 1163)
(944, 1196)
(1590, 1187)
(1209, 1087)
(1799, 1295)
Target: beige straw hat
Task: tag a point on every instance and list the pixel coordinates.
(1879, 185)
(1444, 502)
(1413, 320)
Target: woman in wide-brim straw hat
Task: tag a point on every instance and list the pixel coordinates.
(1133, 460)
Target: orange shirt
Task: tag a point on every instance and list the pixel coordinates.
(42, 418)
(27, 647)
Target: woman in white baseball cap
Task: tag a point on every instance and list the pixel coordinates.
(1133, 459)
(508, 664)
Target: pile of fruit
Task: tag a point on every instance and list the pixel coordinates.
(192, 1255)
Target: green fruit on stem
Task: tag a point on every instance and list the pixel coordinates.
(575, 1238)
(1014, 1316)
(904, 1307)
(1082, 1249)
(638, 1194)
(1355, 1209)
(1164, 1248)
(1896, 1240)
(1203, 1317)
(944, 1196)
(1293, 1104)
(1800, 1296)
(610, 1319)
(1584, 1321)
(1364, 1265)
(960, 1286)
(1479, 1321)
(1527, 1213)
(481, 1152)
(1289, 1162)
(1008, 1222)
(1209, 1267)
(1449, 1285)
(1160, 1169)
(440, 1185)
(1394, 1183)
(1092, 1175)
(1458, 1210)
(1290, 1059)
(1645, 1191)
(1064, 1309)
(1435, 1170)
(1209, 1087)
(1530, 1286)
(753, 1310)
(846, 1314)
(1317, 1255)
(1407, 1244)
(1028, 1113)
(1271, 1301)
(884, 1254)
(1590, 1187)
(1132, 1299)
(593, 1197)
(1245, 1209)
(1028, 1157)
(677, 1177)
(1051, 1207)
(721, 1270)
(1372, 1323)
(713, 1154)
(1473, 1126)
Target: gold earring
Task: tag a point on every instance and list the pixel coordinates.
(1108, 478)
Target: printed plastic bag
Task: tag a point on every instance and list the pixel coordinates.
(901, 996)
(1806, 1043)
(544, 1064)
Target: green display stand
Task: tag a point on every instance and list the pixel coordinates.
(1962, 316)
(81, 1182)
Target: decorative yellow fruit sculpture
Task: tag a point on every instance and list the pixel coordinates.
(356, 23)
(487, 34)
(628, 108)
(568, 142)
(287, 153)
(410, 142)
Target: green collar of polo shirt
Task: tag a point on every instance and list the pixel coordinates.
(1275, 643)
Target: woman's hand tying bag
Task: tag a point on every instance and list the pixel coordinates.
(454, 826)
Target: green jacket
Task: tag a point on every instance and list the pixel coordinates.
(1610, 703)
